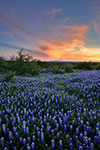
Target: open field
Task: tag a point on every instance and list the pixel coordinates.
(51, 112)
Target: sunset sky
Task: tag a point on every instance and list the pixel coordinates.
(51, 30)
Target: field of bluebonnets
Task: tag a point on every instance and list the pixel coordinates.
(51, 112)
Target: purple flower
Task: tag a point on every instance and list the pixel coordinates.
(42, 138)
(2, 141)
(16, 134)
(80, 148)
(24, 141)
(4, 128)
(81, 136)
(77, 131)
(10, 135)
(33, 138)
(33, 146)
(38, 134)
(91, 146)
(29, 139)
(85, 139)
(60, 144)
(52, 132)
(0, 120)
(20, 139)
(28, 147)
(52, 145)
(71, 146)
(27, 131)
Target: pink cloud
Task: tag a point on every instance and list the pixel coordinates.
(95, 25)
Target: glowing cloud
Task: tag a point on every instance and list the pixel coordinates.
(72, 41)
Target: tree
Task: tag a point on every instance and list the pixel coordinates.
(69, 68)
(3, 65)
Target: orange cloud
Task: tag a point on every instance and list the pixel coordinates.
(70, 41)
(80, 57)
(74, 31)
(68, 44)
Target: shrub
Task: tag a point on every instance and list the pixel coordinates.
(98, 67)
(58, 71)
(85, 65)
(36, 69)
(10, 76)
(69, 68)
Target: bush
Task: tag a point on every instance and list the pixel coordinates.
(3, 65)
(69, 68)
(10, 76)
(98, 67)
(57, 70)
(36, 69)
(85, 65)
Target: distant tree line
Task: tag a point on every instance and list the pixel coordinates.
(25, 65)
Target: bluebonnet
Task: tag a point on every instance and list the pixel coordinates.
(33, 146)
(64, 110)
(52, 144)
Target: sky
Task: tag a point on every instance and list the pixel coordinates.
(51, 30)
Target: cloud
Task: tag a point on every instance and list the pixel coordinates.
(95, 10)
(80, 57)
(10, 46)
(44, 48)
(76, 31)
(33, 52)
(66, 41)
(96, 24)
(9, 34)
(66, 19)
(53, 12)
(8, 20)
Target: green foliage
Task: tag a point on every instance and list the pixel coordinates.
(98, 67)
(3, 64)
(10, 76)
(69, 68)
(36, 69)
(85, 65)
(24, 65)
(56, 69)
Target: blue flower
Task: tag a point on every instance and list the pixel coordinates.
(52, 145)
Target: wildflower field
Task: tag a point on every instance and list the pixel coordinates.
(51, 112)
